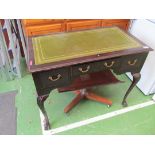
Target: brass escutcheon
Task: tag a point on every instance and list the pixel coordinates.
(84, 71)
(54, 79)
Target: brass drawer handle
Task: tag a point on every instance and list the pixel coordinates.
(132, 63)
(109, 65)
(54, 79)
(84, 71)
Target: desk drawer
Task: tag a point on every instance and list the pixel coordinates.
(44, 29)
(53, 78)
(95, 66)
(85, 68)
(110, 63)
(133, 63)
(83, 24)
(32, 22)
(122, 23)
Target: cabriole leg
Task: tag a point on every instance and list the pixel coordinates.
(136, 78)
(40, 102)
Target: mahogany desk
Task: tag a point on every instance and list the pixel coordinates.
(56, 60)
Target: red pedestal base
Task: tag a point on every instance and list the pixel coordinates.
(82, 88)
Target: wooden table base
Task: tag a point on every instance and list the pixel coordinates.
(83, 84)
(86, 94)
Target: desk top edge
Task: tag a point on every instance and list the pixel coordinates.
(34, 68)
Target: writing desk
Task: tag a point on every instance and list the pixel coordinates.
(56, 60)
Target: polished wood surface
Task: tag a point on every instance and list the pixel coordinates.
(63, 73)
(34, 22)
(40, 102)
(44, 29)
(86, 94)
(80, 25)
(34, 27)
(74, 102)
(136, 78)
(90, 80)
(83, 84)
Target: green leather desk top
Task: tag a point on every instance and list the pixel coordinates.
(64, 46)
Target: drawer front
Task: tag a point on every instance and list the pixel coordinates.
(44, 29)
(35, 27)
(75, 20)
(132, 63)
(32, 22)
(122, 23)
(95, 66)
(53, 78)
(109, 64)
(80, 25)
(85, 68)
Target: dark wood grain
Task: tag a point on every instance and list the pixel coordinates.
(129, 60)
(40, 102)
(136, 78)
